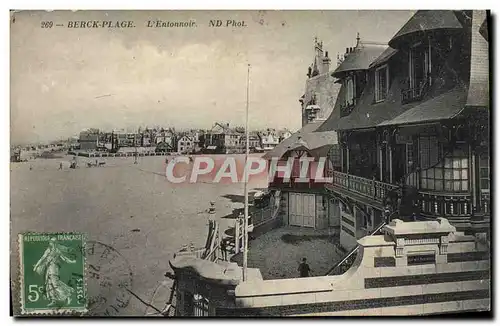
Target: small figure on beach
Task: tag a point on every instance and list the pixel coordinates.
(60, 165)
(304, 268)
(31, 167)
(223, 249)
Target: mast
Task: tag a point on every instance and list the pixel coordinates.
(135, 146)
(245, 225)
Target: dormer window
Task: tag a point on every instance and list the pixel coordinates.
(419, 72)
(350, 91)
(381, 83)
(420, 64)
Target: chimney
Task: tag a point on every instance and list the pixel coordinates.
(326, 63)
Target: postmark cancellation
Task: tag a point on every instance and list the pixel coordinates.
(52, 274)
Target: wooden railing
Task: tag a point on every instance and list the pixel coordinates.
(415, 93)
(485, 203)
(365, 187)
(432, 204)
(346, 107)
(445, 204)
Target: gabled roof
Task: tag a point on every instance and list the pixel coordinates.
(220, 127)
(305, 138)
(186, 136)
(360, 58)
(426, 20)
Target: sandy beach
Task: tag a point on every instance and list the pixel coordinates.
(130, 207)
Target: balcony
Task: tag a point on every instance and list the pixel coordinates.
(415, 93)
(372, 190)
(457, 207)
(347, 107)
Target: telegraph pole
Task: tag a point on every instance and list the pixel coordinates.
(245, 225)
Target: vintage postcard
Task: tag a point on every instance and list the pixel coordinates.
(250, 163)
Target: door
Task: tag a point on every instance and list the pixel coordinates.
(302, 209)
(309, 212)
(333, 213)
(295, 210)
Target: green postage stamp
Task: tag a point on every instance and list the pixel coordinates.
(52, 273)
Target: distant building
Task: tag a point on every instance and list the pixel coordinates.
(186, 144)
(89, 139)
(163, 147)
(284, 134)
(223, 138)
(15, 154)
(253, 141)
(269, 139)
(166, 136)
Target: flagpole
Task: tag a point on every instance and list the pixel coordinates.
(245, 225)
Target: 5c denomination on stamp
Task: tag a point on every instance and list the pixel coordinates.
(52, 273)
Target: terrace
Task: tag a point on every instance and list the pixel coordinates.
(278, 252)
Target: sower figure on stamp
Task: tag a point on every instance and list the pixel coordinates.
(48, 265)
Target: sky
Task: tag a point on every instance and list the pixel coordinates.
(65, 79)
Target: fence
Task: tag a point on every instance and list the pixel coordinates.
(258, 217)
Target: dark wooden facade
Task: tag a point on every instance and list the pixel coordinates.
(412, 122)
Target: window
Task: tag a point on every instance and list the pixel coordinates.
(420, 65)
(429, 152)
(450, 173)
(484, 171)
(381, 83)
(350, 88)
(200, 306)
